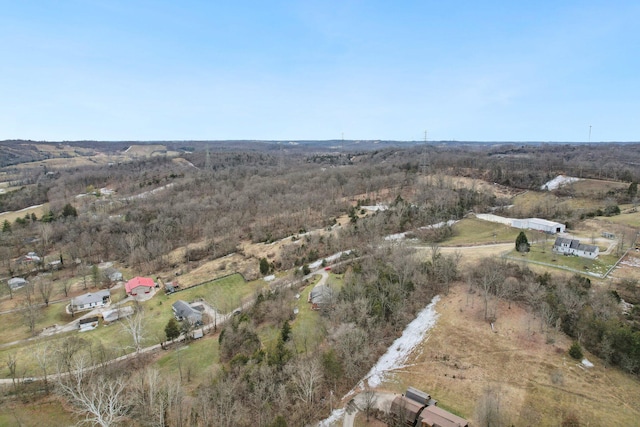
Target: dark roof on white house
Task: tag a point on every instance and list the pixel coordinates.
(185, 311)
(92, 297)
(575, 244)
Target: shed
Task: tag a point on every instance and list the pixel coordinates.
(88, 324)
(418, 396)
(117, 313)
(16, 282)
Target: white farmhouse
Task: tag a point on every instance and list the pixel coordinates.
(574, 247)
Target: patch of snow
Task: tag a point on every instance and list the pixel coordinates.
(558, 182)
(397, 236)
(150, 192)
(375, 208)
(315, 264)
(269, 278)
(631, 262)
(335, 416)
(586, 363)
(397, 353)
(439, 225)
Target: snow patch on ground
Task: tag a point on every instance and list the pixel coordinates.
(397, 236)
(400, 236)
(329, 259)
(269, 278)
(375, 208)
(631, 262)
(397, 353)
(586, 363)
(558, 182)
(335, 416)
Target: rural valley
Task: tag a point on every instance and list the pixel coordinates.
(355, 283)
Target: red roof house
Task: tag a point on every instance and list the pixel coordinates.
(139, 285)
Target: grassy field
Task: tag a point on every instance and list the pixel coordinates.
(537, 382)
(12, 216)
(598, 266)
(223, 293)
(473, 231)
(42, 412)
(199, 359)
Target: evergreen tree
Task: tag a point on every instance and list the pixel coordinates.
(285, 332)
(172, 330)
(522, 244)
(264, 266)
(6, 226)
(69, 210)
(575, 351)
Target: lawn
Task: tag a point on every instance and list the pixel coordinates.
(473, 231)
(225, 294)
(598, 266)
(196, 359)
(307, 329)
(113, 337)
(44, 412)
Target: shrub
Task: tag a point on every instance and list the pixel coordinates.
(575, 351)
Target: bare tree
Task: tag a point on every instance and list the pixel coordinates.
(134, 325)
(369, 400)
(306, 377)
(98, 397)
(30, 310)
(42, 354)
(12, 364)
(45, 287)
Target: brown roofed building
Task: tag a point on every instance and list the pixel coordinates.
(406, 410)
(433, 416)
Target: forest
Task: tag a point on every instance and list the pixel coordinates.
(167, 215)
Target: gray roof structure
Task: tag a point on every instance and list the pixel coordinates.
(16, 282)
(321, 294)
(93, 297)
(575, 244)
(183, 311)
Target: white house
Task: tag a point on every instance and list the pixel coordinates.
(538, 224)
(574, 247)
(91, 300)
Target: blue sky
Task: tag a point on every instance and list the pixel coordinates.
(285, 70)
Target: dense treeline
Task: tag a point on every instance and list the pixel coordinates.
(589, 315)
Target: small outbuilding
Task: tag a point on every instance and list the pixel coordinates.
(109, 316)
(88, 324)
(16, 282)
